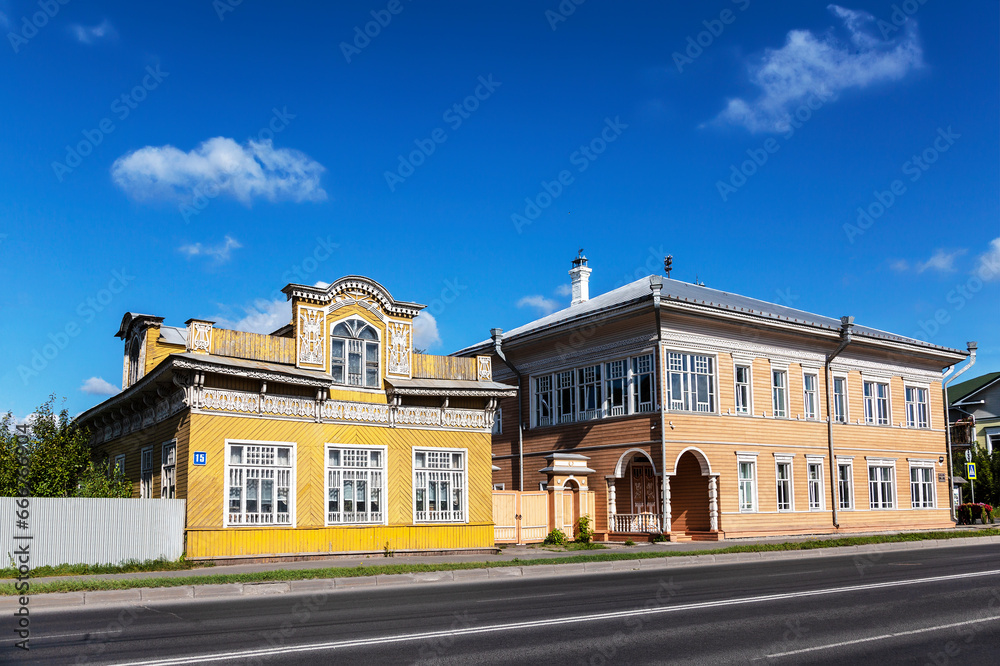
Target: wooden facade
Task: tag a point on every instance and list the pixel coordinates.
(328, 436)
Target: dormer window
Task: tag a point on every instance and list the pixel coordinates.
(354, 354)
(133, 361)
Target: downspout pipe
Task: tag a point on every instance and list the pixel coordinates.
(945, 380)
(656, 286)
(497, 335)
(846, 324)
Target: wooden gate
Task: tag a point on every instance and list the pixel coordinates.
(568, 513)
(525, 517)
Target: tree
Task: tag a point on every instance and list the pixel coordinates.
(987, 476)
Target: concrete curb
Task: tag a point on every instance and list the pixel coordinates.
(323, 585)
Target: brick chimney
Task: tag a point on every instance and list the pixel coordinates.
(581, 279)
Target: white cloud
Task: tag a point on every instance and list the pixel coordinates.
(220, 253)
(988, 267)
(263, 316)
(942, 261)
(541, 303)
(89, 35)
(823, 66)
(99, 386)
(321, 284)
(564, 290)
(220, 166)
(900, 265)
(425, 331)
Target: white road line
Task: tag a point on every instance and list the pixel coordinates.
(486, 629)
(897, 634)
(530, 596)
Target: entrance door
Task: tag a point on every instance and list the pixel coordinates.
(643, 488)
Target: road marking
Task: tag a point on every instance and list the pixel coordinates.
(532, 624)
(530, 596)
(897, 634)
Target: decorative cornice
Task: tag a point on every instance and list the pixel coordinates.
(253, 373)
(354, 284)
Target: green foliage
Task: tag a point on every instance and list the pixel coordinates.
(128, 566)
(96, 482)
(630, 543)
(556, 538)
(658, 538)
(387, 552)
(584, 531)
(987, 476)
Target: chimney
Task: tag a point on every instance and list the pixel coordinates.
(581, 279)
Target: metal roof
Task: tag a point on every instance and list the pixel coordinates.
(970, 386)
(173, 335)
(443, 386)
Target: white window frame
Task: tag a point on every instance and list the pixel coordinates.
(845, 407)
(292, 467)
(789, 483)
(749, 458)
(146, 473)
(748, 407)
(814, 393)
(463, 472)
(499, 486)
(815, 486)
(584, 386)
(882, 464)
(168, 470)
(992, 437)
(368, 472)
(688, 373)
(344, 379)
(635, 382)
(564, 383)
(930, 491)
(912, 407)
(540, 396)
(783, 372)
(616, 373)
(849, 464)
(873, 402)
(118, 464)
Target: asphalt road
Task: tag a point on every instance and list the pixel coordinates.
(926, 606)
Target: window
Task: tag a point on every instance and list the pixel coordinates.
(439, 485)
(498, 421)
(354, 354)
(355, 485)
(543, 400)
(880, 490)
(922, 486)
(642, 384)
(783, 475)
(133, 361)
(779, 392)
(876, 403)
(840, 399)
(743, 389)
(691, 382)
(748, 483)
(616, 379)
(168, 471)
(565, 397)
(498, 486)
(259, 484)
(810, 395)
(146, 473)
(815, 477)
(845, 485)
(589, 387)
(916, 407)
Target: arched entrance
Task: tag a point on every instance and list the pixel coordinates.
(634, 494)
(693, 494)
(570, 507)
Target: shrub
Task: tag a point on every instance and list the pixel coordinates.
(658, 538)
(630, 543)
(555, 538)
(968, 513)
(584, 532)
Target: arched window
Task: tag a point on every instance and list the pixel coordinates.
(133, 362)
(354, 354)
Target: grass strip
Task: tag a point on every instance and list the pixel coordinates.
(128, 566)
(284, 575)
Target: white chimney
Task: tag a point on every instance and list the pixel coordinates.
(581, 279)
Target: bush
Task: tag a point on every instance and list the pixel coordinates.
(584, 532)
(630, 543)
(658, 538)
(555, 538)
(968, 513)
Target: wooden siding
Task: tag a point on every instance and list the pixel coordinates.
(428, 366)
(131, 445)
(689, 497)
(254, 346)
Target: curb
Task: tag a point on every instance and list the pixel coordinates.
(143, 595)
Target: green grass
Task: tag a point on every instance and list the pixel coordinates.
(573, 545)
(350, 572)
(128, 566)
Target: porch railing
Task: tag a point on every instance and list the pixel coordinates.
(635, 522)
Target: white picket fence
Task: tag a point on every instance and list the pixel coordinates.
(91, 531)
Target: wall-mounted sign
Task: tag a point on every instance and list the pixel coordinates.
(200, 457)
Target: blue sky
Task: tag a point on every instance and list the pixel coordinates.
(189, 159)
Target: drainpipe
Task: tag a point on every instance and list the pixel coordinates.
(972, 346)
(655, 285)
(846, 324)
(496, 334)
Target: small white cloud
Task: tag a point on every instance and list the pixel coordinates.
(220, 166)
(262, 316)
(321, 284)
(900, 265)
(942, 261)
(822, 66)
(988, 268)
(89, 35)
(425, 331)
(564, 290)
(99, 386)
(543, 304)
(220, 253)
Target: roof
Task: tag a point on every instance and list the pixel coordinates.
(675, 291)
(173, 335)
(970, 386)
(445, 386)
(315, 378)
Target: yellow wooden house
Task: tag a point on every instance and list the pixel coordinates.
(329, 435)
